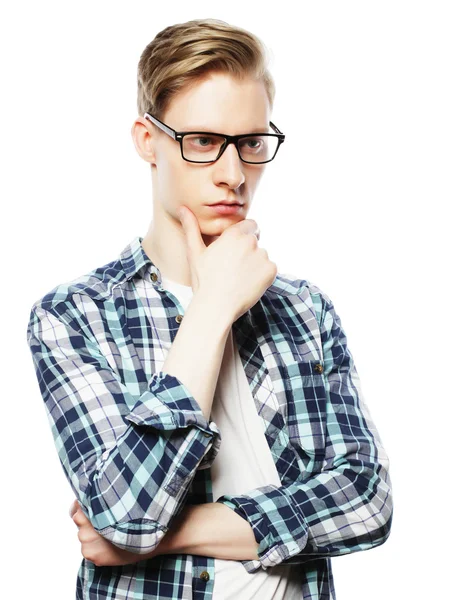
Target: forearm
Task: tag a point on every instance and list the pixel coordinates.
(196, 353)
(210, 529)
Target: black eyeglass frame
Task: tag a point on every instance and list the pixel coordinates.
(230, 139)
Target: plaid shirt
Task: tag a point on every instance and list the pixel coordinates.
(135, 445)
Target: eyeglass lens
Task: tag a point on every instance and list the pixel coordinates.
(256, 148)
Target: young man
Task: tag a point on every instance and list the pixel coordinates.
(206, 409)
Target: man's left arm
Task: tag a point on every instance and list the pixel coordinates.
(348, 506)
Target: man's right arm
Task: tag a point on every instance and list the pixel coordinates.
(130, 460)
(196, 354)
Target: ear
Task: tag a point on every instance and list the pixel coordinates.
(143, 139)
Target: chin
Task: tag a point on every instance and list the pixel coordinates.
(217, 225)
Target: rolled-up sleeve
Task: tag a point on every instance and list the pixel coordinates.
(129, 460)
(348, 505)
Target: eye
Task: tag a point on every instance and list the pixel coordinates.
(252, 143)
(203, 138)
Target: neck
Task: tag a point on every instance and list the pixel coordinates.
(165, 244)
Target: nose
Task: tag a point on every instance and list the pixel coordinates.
(229, 167)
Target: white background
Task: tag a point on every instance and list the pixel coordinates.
(355, 201)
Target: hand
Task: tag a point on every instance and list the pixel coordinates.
(232, 271)
(96, 548)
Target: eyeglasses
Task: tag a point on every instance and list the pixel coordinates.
(207, 147)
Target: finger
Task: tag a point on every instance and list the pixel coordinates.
(247, 226)
(80, 518)
(74, 507)
(193, 235)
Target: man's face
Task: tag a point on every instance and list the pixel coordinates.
(217, 104)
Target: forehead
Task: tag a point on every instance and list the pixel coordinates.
(199, 127)
(220, 103)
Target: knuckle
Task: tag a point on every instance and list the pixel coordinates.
(253, 240)
(77, 517)
(92, 556)
(84, 535)
(86, 553)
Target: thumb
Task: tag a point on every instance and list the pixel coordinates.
(190, 224)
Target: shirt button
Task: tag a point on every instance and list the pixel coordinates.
(179, 318)
(153, 276)
(204, 575)
(206, 434)
(319, 368)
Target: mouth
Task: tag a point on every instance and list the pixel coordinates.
(227, 203)
(228, 208)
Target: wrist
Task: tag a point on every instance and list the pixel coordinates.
(175, 539)
(178, 539)
(212, 311)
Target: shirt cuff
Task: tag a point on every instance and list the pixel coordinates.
(168, 404)
(281, 532)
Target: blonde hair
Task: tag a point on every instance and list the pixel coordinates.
(183, 54)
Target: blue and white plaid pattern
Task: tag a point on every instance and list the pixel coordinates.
(135, 445)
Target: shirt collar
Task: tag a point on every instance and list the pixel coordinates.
(135, 261)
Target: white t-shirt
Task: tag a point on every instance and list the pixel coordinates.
(243, 463)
